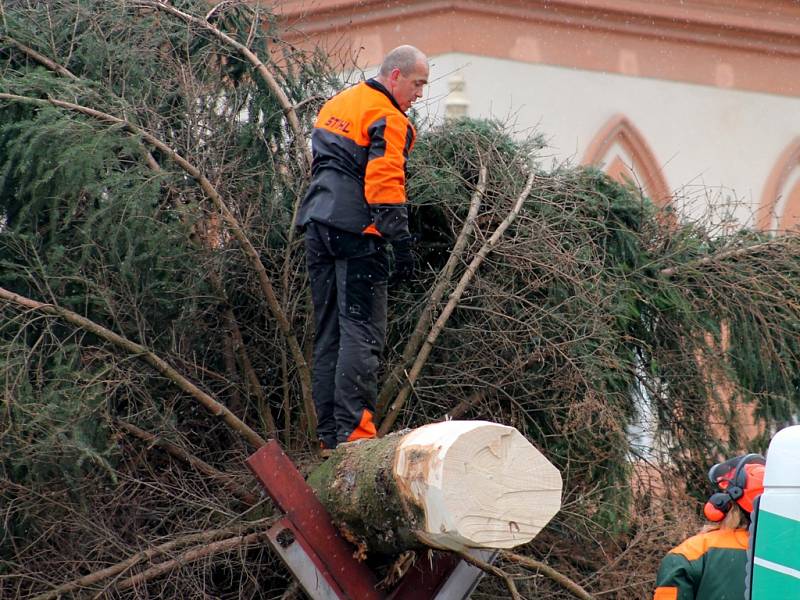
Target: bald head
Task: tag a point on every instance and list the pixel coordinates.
(404, 72)
(404, 58)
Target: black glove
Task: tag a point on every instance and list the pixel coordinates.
(403, 259)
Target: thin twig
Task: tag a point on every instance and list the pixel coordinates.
(200, 465)
(214, 407)
(145, 555)
(259, 66)
(64, 72)
(455, 297)
(293, 592)
(462, 407)
(725, 254)
(417, 337)
(40, 58)
(548, 571)
(220, 547)
(250, 251)
(239, 349)
(492, 570)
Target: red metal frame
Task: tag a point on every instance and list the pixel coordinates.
(294, 497)
(425, 578)
(333, 557)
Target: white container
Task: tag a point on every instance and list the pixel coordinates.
(773, 571)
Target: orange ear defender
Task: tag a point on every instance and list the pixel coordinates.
(717, 507)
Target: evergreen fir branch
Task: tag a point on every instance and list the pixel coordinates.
(38, 57)
(776, 243)
(593, 310)
(258, 65)
(455, 297)
(417, 337)
(145, 354)
(237, 230)
(289, 111)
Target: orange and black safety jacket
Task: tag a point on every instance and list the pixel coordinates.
(707, 566)
(360, 147)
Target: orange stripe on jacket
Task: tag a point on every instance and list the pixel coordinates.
(666, 593)
(371, 230)
(697, 545)
(350, 114)
(385, 179)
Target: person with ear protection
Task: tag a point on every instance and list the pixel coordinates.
(712, 564)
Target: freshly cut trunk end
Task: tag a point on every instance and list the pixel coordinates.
(453, 484)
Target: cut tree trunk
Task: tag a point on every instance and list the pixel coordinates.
(450, 485)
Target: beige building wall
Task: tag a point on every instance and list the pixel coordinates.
(710, 144)
(699, 99)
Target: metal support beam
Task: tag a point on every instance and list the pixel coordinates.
(324, 563)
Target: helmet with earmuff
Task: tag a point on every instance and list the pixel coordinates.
(740, 480)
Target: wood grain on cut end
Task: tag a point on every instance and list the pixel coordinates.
(452, 485)
(479, 484)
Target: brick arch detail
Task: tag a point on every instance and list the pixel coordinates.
(620, 130)
(774, 188)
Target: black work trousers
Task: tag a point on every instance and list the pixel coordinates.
(348, 275)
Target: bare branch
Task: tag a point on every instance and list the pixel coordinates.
(239, 348)
(455, 297)
(205, 537)
(561, 579)
(40, 58)
(492, 570)
(213, 406)
(183, 455)
(259, 66)
(462, 407)
(238, 232)
(443, 280)
(64, 72)
(726, 254)
(220, 547)
(289, 111)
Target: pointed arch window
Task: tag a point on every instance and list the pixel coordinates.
(627, 156)
(780, 201)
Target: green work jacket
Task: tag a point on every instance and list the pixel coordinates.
(707, 566)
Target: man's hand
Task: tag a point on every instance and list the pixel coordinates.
(403, 259)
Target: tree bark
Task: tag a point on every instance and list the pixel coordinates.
(451, 485)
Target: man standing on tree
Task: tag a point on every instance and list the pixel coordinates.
(354, 206)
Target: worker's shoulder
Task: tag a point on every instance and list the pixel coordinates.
(362, 93)
(698, 545)
(371, 102)
(351, 91)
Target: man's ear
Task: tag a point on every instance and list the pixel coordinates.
(394, 75)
